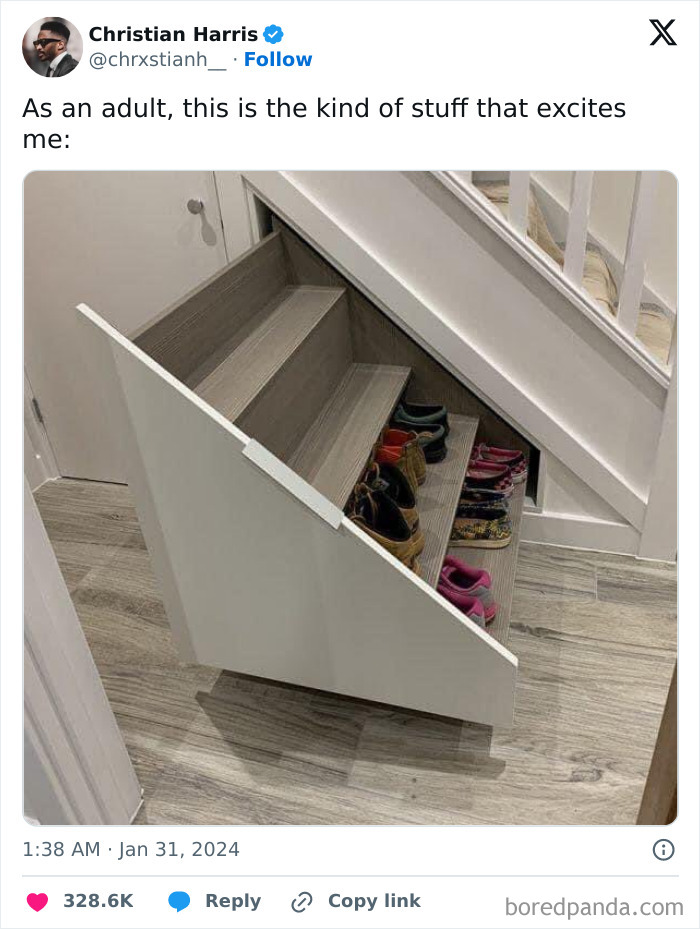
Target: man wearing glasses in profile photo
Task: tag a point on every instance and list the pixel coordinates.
(51, 45)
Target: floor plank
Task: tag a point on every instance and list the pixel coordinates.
(215, 747)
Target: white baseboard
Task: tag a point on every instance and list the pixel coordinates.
(579, 532)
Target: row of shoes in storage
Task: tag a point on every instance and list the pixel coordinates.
(482, 521)
(483, 518)
(384, 503)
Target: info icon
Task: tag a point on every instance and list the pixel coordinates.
(663, 849)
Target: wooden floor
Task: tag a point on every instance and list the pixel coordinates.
(595, 635)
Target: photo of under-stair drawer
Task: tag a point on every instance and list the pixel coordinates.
(352, 494)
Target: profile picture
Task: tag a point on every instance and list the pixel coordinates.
(52, 47)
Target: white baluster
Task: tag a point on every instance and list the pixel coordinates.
(635, 257)
(577, 230)
(519, 192)
(671, 360)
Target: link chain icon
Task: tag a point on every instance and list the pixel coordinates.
(302, 901)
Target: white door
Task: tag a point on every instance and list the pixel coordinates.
(125, 244)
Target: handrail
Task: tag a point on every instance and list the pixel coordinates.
(621, 328)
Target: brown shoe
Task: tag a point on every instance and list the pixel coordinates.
(395, 484)
(399, 438)
(402, 459)
(377, 515)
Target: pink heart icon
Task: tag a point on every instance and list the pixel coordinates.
(37, 901)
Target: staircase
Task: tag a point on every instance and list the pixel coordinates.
(253, 406)
(587, 386)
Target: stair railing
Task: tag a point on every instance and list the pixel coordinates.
(638, 237)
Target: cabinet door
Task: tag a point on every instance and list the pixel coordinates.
(126, 244)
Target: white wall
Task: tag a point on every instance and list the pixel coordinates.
(572, 514)
(567, 495)
(32, 463)
(611, 205)
(39, 460)
(125, 242)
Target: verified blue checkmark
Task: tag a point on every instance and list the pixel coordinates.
(273, 34)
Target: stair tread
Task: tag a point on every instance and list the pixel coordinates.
(439, 495)
(501, 564)
(243, 373)
(335, 449)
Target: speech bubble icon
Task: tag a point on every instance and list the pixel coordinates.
(179, 900)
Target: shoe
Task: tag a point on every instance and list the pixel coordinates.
(487, 476)
(419, 415)
(377, 515)
(484, 497)
(400, 459)
(393, 482)
(482, 527)
(459, 581)
(397, 439)
(466, 510)
(431, 440)
(512, 458)
(470, 606)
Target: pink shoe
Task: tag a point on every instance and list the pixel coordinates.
(464, 581)
(488, 474)
(512, 458)
(470, 606)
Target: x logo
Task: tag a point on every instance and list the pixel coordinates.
(663, 31)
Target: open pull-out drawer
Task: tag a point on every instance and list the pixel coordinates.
(248, 412)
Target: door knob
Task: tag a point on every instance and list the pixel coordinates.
(195, 206)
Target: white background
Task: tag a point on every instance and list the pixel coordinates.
(542, 51)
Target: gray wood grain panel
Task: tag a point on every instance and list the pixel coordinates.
(333, 453)
(501, 563)
(287, 406)
(187, 333)
(439, 495)
(213, 748)
(255, 362)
